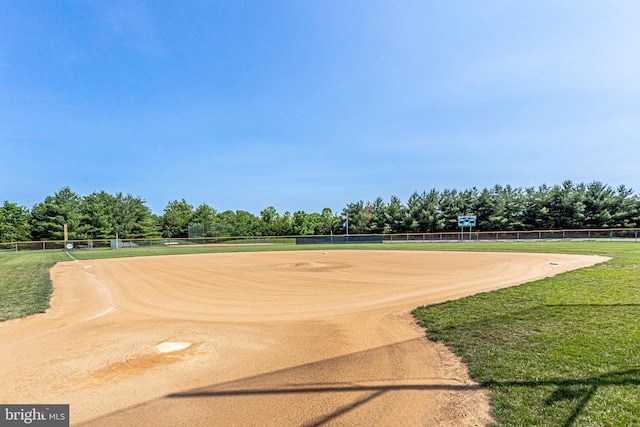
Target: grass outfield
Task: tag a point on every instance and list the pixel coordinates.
(561, 351)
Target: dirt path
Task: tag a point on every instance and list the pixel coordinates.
(313, 338)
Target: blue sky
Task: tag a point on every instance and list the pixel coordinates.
(303, 105)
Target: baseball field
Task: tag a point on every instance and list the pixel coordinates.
(313, 337)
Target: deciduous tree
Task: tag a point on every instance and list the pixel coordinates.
(14, 223)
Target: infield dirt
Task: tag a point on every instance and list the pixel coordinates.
(313, 338)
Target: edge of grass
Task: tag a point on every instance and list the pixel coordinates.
(25, 286)
(559, 351)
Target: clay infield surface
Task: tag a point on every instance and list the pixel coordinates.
(300, 338)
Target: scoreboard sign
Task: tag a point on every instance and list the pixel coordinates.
(467, 221)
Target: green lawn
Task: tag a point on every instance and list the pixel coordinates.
(563, 351)
(25, 286)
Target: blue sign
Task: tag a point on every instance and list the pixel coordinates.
(467, 221)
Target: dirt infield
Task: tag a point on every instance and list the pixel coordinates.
(313, 338)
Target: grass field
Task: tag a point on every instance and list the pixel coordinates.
(25, 286)
(557, 352)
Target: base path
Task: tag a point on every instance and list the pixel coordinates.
(305, 338)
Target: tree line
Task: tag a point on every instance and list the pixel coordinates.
(102, 216)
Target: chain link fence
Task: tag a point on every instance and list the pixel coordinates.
(627, 234)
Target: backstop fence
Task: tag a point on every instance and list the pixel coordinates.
(622, 234)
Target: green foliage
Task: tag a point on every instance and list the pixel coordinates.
(204, 222)
(502, 208)
(395, 216)
(176, 219)
(378, 216)
(271, 222)
(358, 218)
(204, 213)
(138, 219)
(238, 223)
(14, 223)
(245, 224)
(49, 217)
(327, 222)
(97, 215)
(454, 203)
(313, 223)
